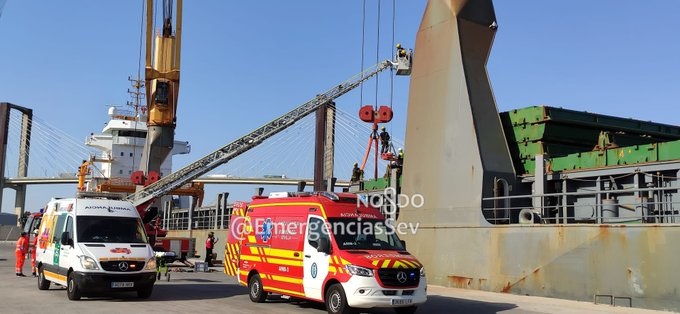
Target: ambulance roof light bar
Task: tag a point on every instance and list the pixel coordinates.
(330, 195)
(279, 195)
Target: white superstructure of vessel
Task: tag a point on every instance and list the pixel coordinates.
(121, 143)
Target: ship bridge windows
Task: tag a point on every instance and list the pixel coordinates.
(128, 133)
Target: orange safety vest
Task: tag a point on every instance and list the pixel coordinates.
(22, 245)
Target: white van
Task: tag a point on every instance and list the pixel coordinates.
(94, 246)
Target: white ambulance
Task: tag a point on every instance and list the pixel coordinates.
(94, 245)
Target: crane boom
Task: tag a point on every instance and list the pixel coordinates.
(252, 139)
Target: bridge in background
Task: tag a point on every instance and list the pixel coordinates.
(45, 155)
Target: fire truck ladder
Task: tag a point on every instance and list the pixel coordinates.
(245, 143)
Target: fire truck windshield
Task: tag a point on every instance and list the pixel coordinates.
(353, 234)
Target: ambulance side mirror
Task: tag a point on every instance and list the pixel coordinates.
(66, 239)
(324, 245)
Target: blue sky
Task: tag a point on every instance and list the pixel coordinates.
(246, 62)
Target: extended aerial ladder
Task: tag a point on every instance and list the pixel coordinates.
(250, 140)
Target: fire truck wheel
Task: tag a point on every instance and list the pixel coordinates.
(257, 293)
(336, 302)
(43, 284)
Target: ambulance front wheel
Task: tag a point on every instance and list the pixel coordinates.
(257, 293)
(72, 289)
(336, 301)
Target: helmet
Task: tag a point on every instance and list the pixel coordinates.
(23, 233)
(398, 46)
(400, 150)
(356, 164)
(383, 128)
(35, 231)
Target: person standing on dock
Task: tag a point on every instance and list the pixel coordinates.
(20, 254)
(209, 245)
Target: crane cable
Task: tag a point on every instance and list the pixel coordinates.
(394, 9)
(139, 78)
(363, 41)
(377, 57)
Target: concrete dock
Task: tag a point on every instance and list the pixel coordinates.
(212, 292)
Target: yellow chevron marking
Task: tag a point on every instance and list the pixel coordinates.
(375, 263)
(409, 264)
(385, 263)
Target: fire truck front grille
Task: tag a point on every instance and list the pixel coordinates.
(399, 277)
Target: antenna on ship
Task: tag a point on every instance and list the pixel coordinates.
(137, 94)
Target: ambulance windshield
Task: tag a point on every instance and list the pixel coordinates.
(99, 229)
(353, 234)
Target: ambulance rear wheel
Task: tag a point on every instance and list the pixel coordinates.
(336, 302)
(257, 293)
(72, 289)
(43, 284)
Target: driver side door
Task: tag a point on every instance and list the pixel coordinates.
(315, 263)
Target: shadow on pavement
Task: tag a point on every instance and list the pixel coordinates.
(434, 304)
(175, 292)
(179, 292)
(437, 303)
(193, 280)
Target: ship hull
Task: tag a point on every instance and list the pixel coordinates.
(629, 265)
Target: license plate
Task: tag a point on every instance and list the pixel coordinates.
(122, 284)
(401, 301)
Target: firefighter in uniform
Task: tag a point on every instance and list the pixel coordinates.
(384, 140)
(20, 254)
(401, 52)
(357, 174)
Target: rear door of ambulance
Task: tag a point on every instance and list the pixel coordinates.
(237, 231)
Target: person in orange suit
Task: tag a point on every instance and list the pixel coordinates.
(34, 248)
(20, 253)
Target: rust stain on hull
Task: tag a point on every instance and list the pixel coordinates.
(460, 282)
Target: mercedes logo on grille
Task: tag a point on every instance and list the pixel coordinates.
(123, 266)
(401, 276)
